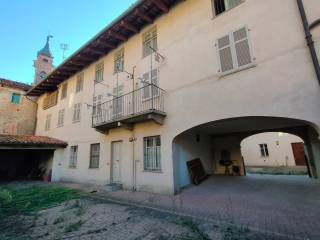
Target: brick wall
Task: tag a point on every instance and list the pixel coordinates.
(16, 118)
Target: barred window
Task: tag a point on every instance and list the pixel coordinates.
(64, 90)
(149, 39)
(264, 150)
(119, 61)
(73, 156)
(79, 86)
(61, 118)
(76, 112)
(99, 72)
(48, 122)
(152, 157)
(94, 155)
(15, 98)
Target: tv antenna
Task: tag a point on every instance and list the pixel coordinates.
(64, 47)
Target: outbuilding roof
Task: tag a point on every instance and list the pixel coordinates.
(29, 141)
(14, 84)
(139, 15)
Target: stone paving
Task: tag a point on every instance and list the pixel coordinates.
(287, 206)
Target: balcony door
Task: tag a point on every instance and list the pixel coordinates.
(117, 104)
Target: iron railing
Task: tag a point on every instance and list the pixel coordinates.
(149, 98)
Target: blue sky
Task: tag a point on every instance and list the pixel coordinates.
(24, 25)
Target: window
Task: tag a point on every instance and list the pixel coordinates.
(119, 61)
(76, 112)
(60, 118)
(264, 150)
(97, 106)
(234, 51)
(50, 100)
(117, 103)
(150, 90)
(99, 72)
(149, 39)
(64, 89)
(220, 6)
(15, 98)
(48, 122)
(79, 86)
(152, 147)
(73, 156)
(94, 155)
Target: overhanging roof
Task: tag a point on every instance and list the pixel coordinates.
(139, 15)
(25, 141)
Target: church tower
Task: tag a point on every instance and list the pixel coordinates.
(44, 63)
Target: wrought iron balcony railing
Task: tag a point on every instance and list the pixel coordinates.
(130, 108)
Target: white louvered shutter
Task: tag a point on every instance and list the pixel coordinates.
(225, 54)
(242, 47)
(146, 89)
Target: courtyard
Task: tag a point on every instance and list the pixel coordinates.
(252, 207)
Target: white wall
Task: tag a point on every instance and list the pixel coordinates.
(279, 146)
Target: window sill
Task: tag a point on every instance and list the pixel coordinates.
(59, 126)
(93, 168)
(77, 121)
(252, 65)
(72, 168)
(151, 171)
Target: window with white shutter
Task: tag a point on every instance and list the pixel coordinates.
(76, 112)
(73, 156)
(150, 90)
(220, 6)
(234, 51)
(60, 118)
(48, 122)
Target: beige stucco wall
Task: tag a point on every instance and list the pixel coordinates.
(282, 84)
(16, 118)
(279, 147)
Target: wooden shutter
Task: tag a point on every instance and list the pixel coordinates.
(242, 47)
(225, 54)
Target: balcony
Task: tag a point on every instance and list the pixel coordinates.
(141, 105)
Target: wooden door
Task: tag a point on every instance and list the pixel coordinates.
(298, 153)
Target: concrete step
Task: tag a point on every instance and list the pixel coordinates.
(112, 187)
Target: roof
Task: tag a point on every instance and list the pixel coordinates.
(45, 51)
(14, 84)
(139, 15)
(30, 140)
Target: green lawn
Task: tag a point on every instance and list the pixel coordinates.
(29, 200)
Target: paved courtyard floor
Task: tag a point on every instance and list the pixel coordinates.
(287, 206)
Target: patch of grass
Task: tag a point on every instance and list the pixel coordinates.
(236, 233)
(73, 227)
(195, 230)
(30, 200)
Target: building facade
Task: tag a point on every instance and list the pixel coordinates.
(272, 149)
(170, 81)
(18, 112)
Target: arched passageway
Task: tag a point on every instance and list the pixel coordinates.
(215, 141)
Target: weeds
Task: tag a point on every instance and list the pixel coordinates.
(58, 220)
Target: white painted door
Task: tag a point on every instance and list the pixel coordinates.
(116, 162)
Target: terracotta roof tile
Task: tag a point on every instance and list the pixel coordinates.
(30, 140)
(14, 84)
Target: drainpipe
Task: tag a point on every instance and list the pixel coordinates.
(309, 38)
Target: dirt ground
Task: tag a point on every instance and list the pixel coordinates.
(88, 218)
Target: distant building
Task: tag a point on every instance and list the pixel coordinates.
(44, 63)
(18, 112)
(273, 149)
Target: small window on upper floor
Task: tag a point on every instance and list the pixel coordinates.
(15, 98)
(119, 61)
(79, 85)
(234, 51)
(64, 90)
(48, 122)
(99, 72)
(220, 6)
(149, 41)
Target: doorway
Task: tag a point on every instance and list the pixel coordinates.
(116, 162)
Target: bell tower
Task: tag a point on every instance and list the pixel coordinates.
(44, 63)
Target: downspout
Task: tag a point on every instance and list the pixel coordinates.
(309, 38)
